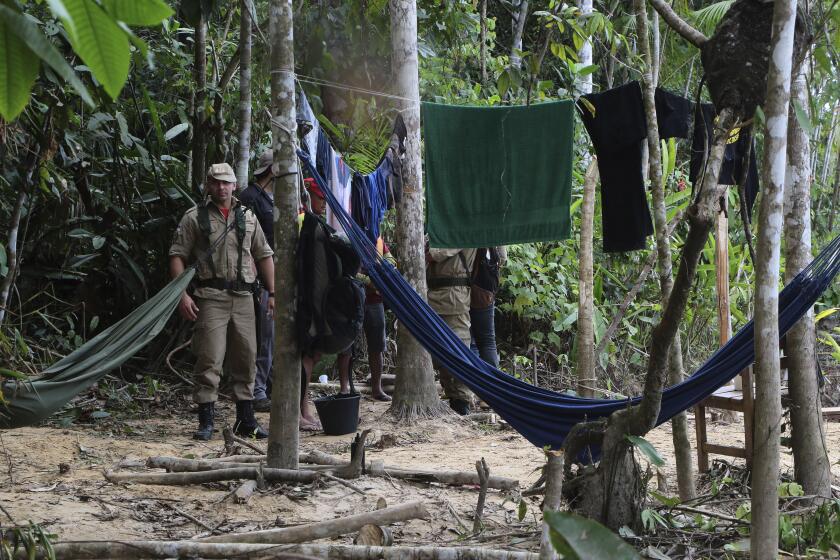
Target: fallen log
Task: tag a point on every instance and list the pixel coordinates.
(316, 457)
(458, 478)
(135, 550)
(174, 464)
(327, 529)
(218, 475)
(244, 492)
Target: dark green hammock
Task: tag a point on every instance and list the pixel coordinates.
(30, 402)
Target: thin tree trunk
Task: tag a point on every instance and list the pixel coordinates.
(415, 393)
(764, 537)
(518, 30)
(679, 425)
(483, 52)
(586, 333)
(199, 139)
(243, 147)
(828, 144)
(585, 54)
(553, 499)
(835, 196)
(810, 457)
(11, 254)
(283, 435)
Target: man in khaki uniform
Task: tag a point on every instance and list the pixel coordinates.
(448, 276)
(222, 305)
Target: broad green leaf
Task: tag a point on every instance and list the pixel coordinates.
(648, 449)
(138, 12)
(18, 70)
(521, 510)
(665, 500)
(11, 373)
(23, 348)
(577, 537)
(97, 39)
(175, 131)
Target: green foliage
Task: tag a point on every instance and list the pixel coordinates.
(707, 18)
(31, 540)
(576, 537)
(647, 449)
(18, 69)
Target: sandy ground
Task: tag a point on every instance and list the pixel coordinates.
(53, 476)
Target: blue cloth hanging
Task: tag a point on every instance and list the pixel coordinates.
(544, 417)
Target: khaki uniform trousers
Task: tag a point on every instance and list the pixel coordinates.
(224, 334)
(453, 388)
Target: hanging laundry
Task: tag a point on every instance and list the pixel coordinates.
(673, 114)
(340, 184)
(617, 129)
(308, 126)
(732, 168)
(360, 201)
(324, 155)
(498, 175)
(374, 187)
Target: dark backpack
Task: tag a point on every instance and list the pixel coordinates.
(485, 278)
(330, 302)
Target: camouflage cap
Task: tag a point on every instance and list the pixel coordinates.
(265, 162)
(222, 172)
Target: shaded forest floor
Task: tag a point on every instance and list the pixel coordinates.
(54, 476)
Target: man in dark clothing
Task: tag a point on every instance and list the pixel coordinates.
(259, 197)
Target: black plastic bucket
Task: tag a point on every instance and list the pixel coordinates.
(339, 413)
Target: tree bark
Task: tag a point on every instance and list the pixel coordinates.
(764, 537)
(199, 138)
(283, 435)
(553, 499)
(586, 305)
(243, 146)
(460, 478)
(585, 53)
(483, 52)
(415, 393)
(810, 458)
(136, 550)
(327, 529)
(12, 253)
(518, 30)
(679, 425)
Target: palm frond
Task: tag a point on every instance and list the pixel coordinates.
(707, 18)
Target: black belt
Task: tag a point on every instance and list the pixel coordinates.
(231, 285)
(437, 283)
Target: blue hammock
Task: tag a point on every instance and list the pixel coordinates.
(544, 417)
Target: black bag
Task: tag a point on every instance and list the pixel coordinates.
(330, 302)
(485, 278)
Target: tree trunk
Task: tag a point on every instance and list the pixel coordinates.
(679, 425)
(199, 139)
(585, 53)
(243, 146)
(586, 333)
(11, 254)
(764, 537)
(483, 52)
(612, 492)
(518, 30)
(810, 458)
(415, 393)
(835, 197)
(553, 499)
(285, 393)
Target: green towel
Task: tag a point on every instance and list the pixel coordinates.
(498, 175)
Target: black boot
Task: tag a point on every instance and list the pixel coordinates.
(206, 412)
(246, 424)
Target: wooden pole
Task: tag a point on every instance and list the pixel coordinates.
(722, 277)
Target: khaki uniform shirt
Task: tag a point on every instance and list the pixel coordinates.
(191, 245)
(445, 263)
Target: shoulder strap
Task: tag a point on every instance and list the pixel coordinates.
(239, 216)
(204, 225)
